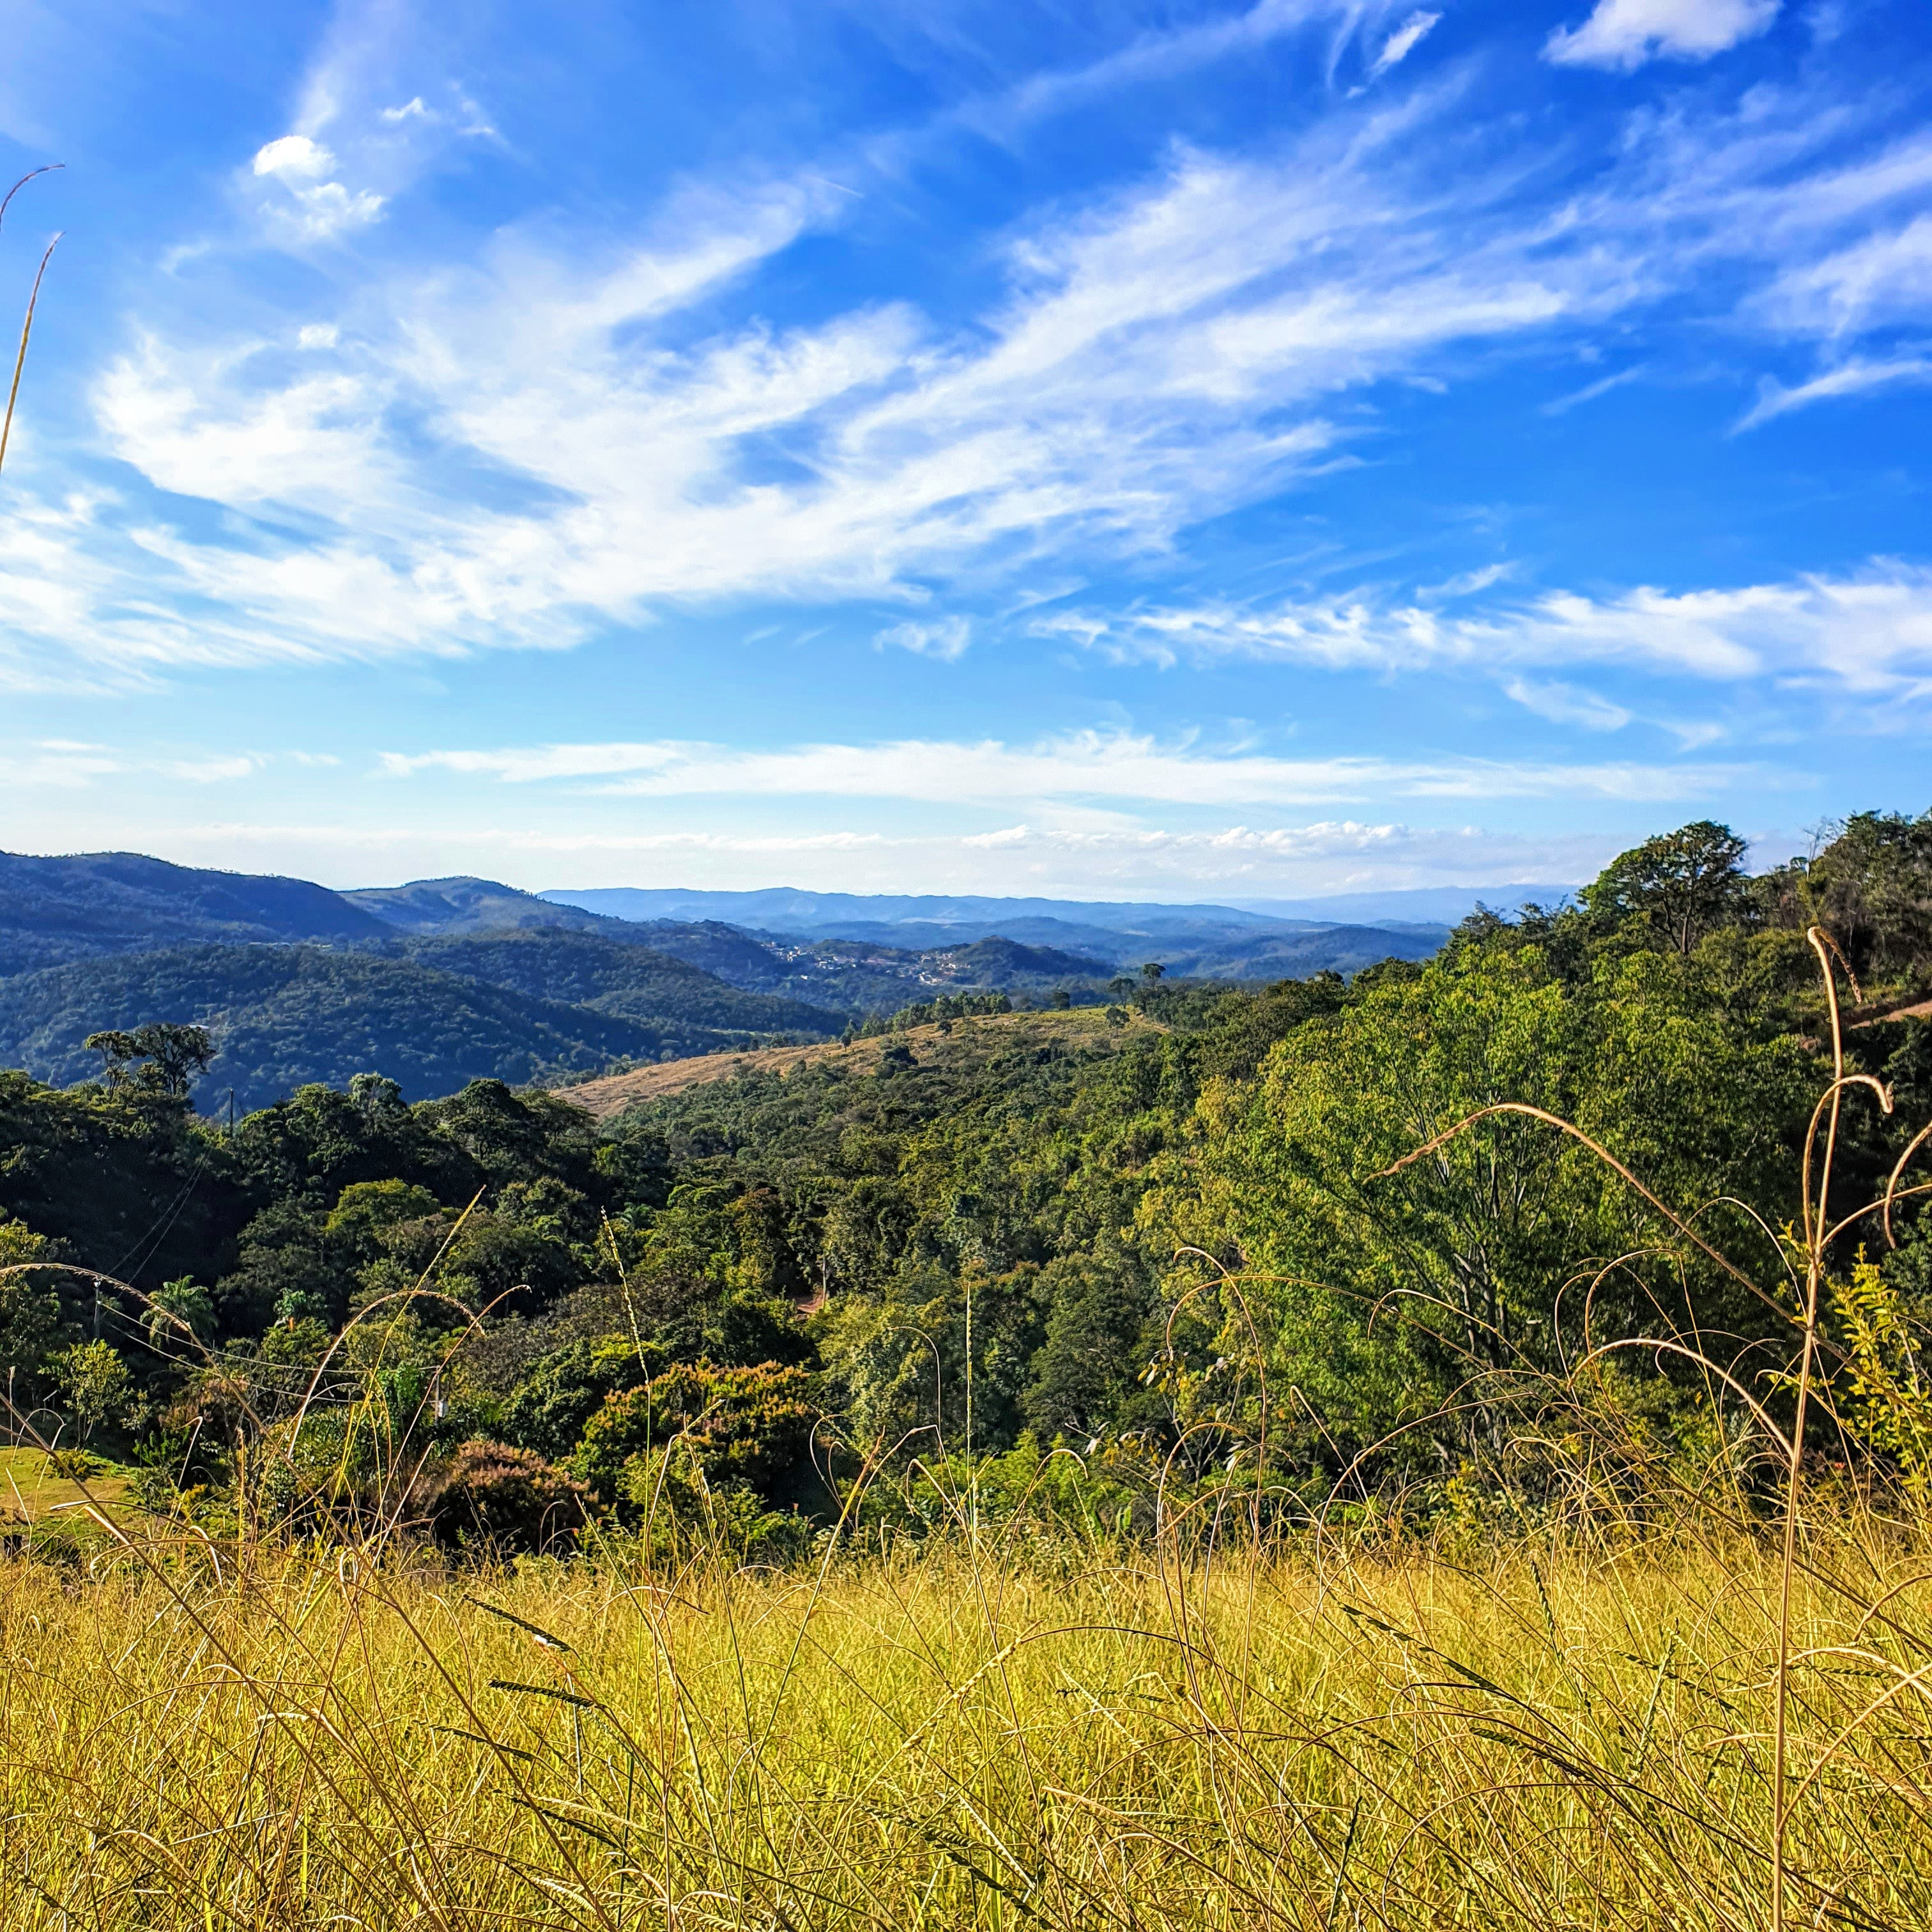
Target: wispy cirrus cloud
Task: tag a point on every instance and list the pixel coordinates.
(520, 448)
(1870, 632)
(1859, 376)
(1163, 55)
(555, 433)
(70, 765)
(1330, 855)
(1561, 405)
(1567, 704)
(1402, 43)
(946, 638)
(1108, 766)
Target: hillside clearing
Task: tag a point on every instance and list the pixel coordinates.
(30, 1491)
(953, 1044)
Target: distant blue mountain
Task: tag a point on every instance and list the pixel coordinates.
(1429, 905)
(1254, 941)
(918, 920)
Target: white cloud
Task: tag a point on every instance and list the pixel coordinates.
(213, 770)
(318, 335)
(1561, 405)
(316, 440)
(1159, 57)
(56, 764)
(70, 766)
(1567, 704)
(315, 209)
(1403, 42)
(1870, 632)
(1882, 278)
(410, 109)
(1855, 378)
(1330, 856)
(329, 209)
(553, 438)
(1160, 359)
(527, 763)
(295, 157)
(1465, 583)
(1624, 34)
(944, 637)
(1081, 765)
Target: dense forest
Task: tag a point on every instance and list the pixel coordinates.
(1107, 1227)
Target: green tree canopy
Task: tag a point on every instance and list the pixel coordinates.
(158, 1061)
(1681, 885)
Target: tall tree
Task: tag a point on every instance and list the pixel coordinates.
(159, 1061)
(1682, 884)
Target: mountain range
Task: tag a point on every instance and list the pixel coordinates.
(439, 981)
(932, 918)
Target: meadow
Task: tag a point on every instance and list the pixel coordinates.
(1540, 1733)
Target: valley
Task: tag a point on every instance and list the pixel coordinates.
(440, 981)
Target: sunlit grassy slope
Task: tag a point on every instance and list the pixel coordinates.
(31, 1490)
(1533, 1739)
(961, 1044)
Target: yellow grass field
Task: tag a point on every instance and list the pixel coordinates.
(201, 1739)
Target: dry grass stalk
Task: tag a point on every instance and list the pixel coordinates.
(33, 302)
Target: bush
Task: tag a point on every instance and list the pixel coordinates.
(680, 1514)
(507, 1500)
(743, 1426)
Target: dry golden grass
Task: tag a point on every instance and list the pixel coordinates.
(1518, 1738)
(27, 326)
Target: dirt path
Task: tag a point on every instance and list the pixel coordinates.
(1917, 1011)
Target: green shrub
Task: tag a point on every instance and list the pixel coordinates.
(751, 1426)
(508, 1500)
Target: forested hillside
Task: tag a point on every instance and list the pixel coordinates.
(458, 906)
(53, 910)
(282, 1015)
(1042, 1204)
(623, 978)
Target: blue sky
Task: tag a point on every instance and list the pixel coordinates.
(1196, 450)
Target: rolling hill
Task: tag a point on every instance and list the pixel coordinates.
(437, 981)
(285, 1015)
(1295, 955)
(631, 980)
(98, 903)
(467, 905)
